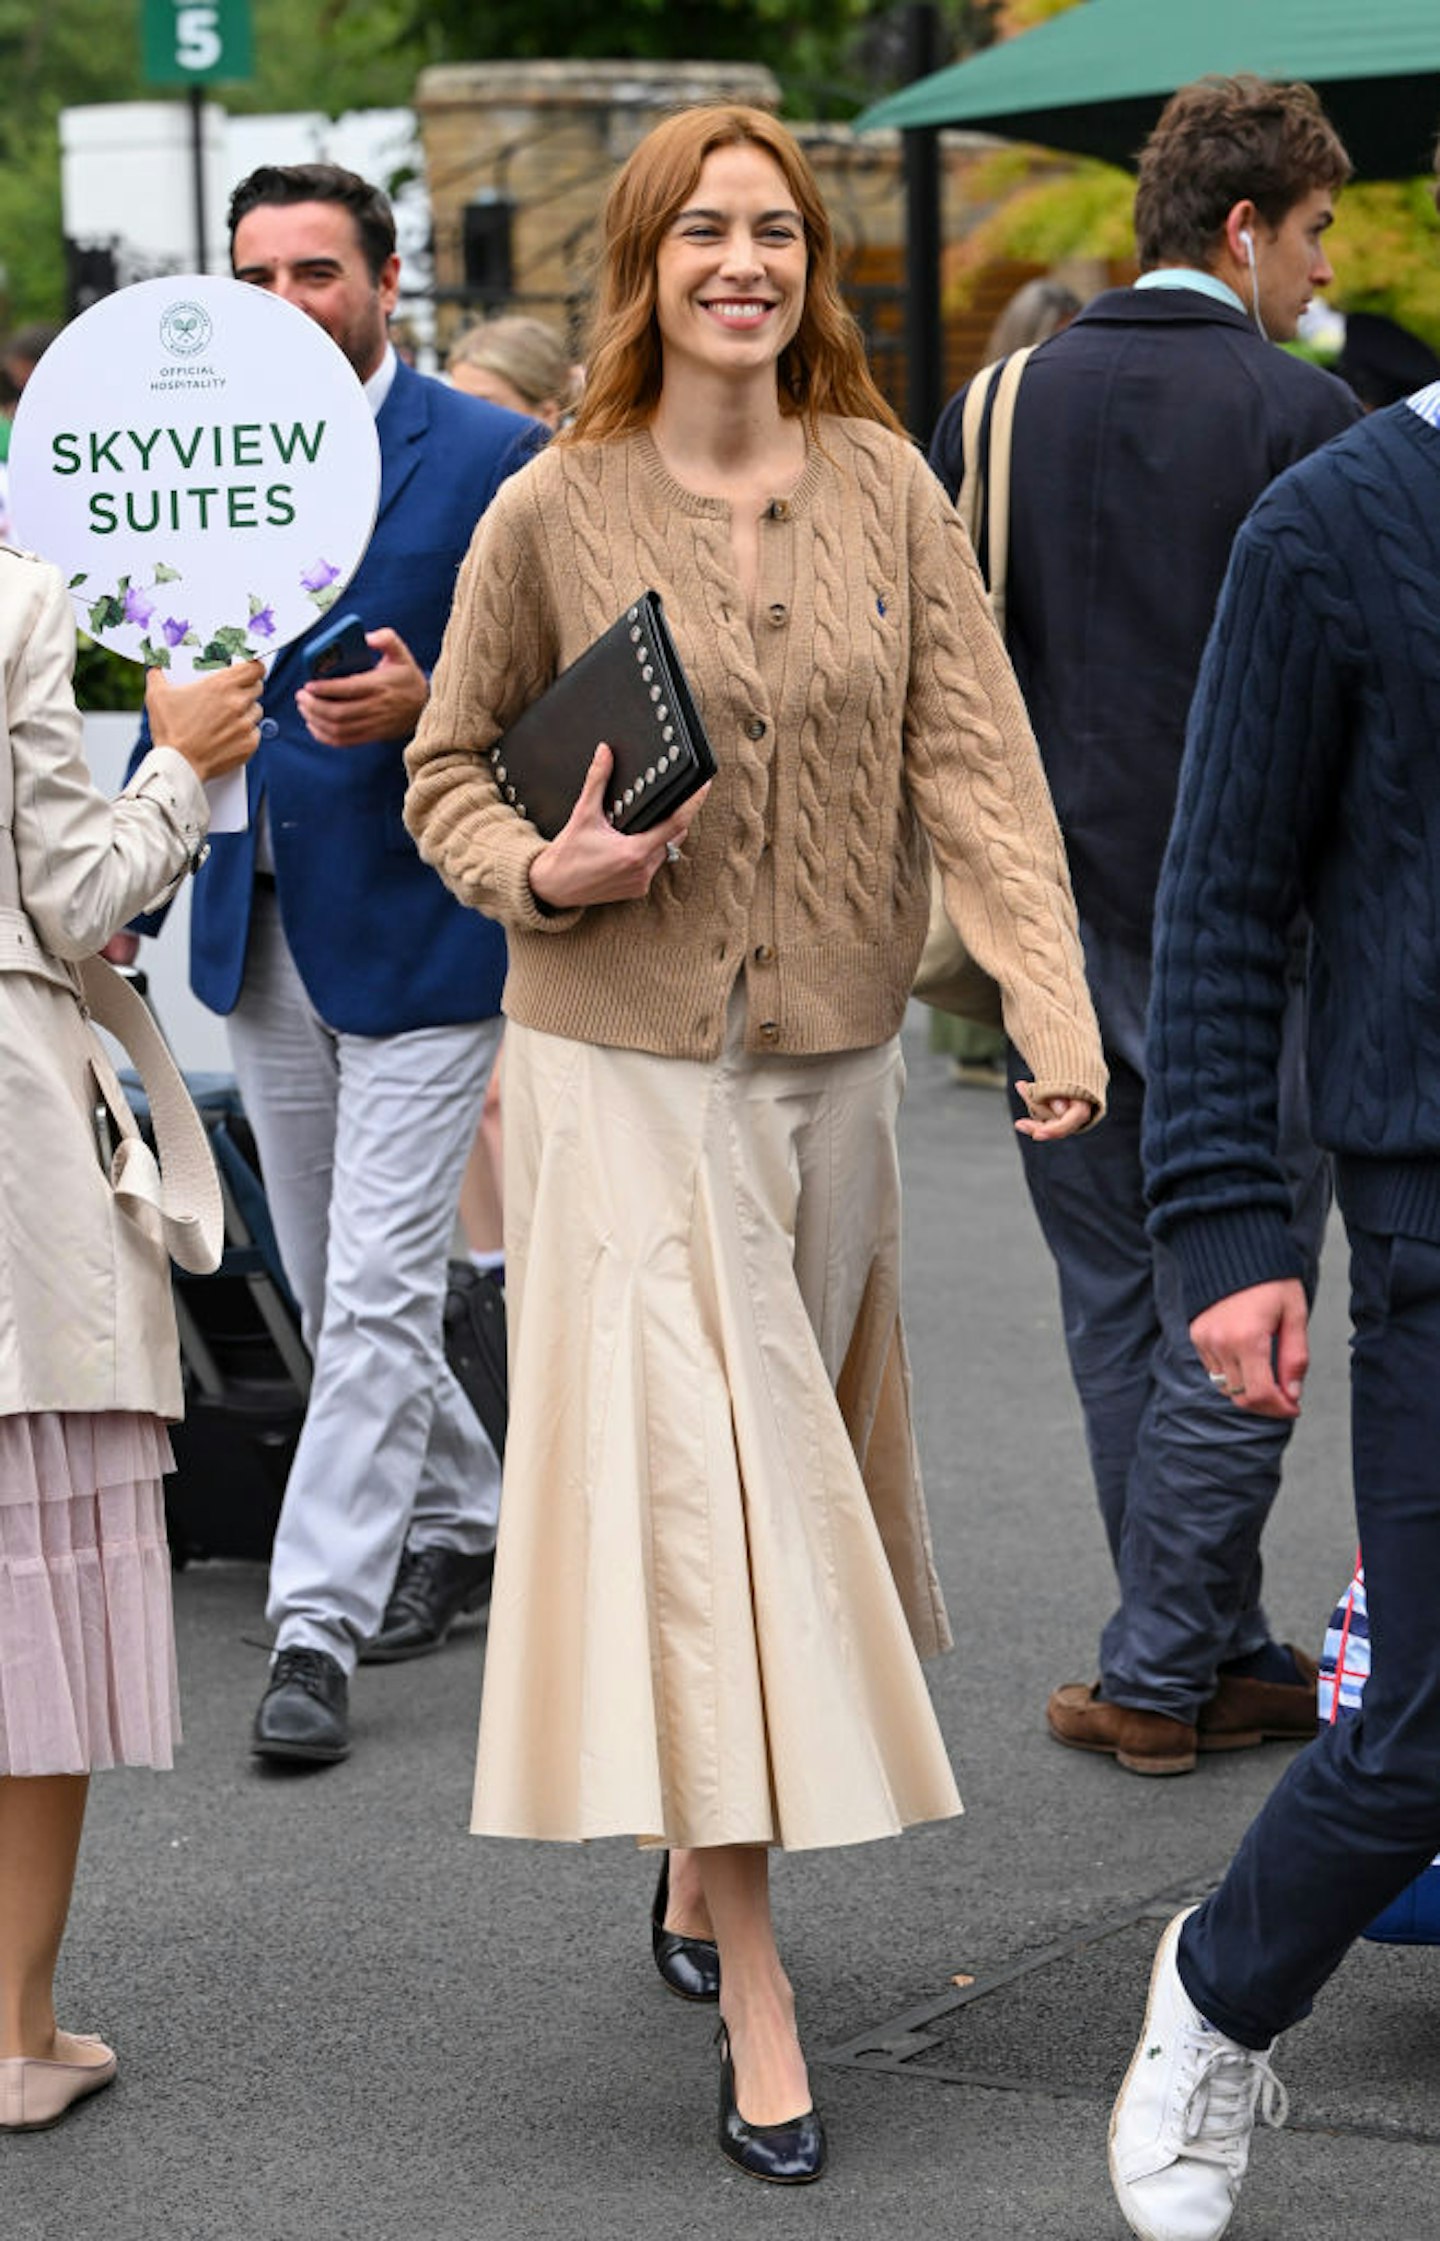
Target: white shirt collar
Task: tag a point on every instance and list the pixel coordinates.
(1427, 403)
(378, 387)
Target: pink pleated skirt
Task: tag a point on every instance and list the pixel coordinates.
(87, 1643)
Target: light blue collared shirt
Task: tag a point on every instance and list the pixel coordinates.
(1427, 403)
(1191, 276)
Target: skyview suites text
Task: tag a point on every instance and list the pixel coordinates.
(159, 506)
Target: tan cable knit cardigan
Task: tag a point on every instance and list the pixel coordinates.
(867, 703)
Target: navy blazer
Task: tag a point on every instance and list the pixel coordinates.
(379, 942)
(1144, 433)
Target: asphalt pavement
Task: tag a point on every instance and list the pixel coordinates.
(339, 2015)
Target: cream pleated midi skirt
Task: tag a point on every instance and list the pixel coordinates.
(714, 1572)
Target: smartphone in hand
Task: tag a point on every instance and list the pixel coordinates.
(339, 650)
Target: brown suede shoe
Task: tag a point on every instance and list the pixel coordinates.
(1142, 1742)
(1243, 1713)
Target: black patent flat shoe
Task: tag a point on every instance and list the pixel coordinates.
(690, 1967)
(787, 2155)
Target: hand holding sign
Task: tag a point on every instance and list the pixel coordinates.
(214, 724)
(216, 492)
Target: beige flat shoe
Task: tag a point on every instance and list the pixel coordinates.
(34, 2094)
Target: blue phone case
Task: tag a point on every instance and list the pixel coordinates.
(340, 650)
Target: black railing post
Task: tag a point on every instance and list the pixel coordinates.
(924, 353)
(195, 96)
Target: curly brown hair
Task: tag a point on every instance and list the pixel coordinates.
(822, 369)
(1223, 141)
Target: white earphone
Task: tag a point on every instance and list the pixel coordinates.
(1248, 239)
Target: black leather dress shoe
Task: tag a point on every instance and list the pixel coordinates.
(788, 2155)
(688, 1966)
(433, 1588)
(305, 1711)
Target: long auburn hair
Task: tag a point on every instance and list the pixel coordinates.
(821, 370)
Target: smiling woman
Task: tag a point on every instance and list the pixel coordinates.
(734, 266)
(714, 1585)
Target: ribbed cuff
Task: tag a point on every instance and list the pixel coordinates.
(1230, 1250)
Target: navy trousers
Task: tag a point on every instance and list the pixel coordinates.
(1185, 1482)
(1357, 1814)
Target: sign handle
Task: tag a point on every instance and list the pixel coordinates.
(195, 98)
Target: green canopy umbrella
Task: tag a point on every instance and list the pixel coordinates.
(1094, 80)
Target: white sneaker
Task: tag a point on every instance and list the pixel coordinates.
(1180, 2129)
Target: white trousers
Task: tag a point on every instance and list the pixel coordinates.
(363, 1141)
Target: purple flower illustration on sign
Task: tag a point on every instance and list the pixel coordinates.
(130, 606)
(262, 618)
(319, 583)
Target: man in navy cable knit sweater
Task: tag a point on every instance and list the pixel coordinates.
(1311, 783)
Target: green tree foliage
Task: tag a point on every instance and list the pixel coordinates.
(310, 54)
(334, 55)
(769, 31)
(1384, 246)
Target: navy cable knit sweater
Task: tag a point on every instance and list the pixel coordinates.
(1311, 782)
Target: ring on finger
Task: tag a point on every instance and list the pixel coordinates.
(672, 851)
(1219, 1379)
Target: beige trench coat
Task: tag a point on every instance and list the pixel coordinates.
(86, 1320)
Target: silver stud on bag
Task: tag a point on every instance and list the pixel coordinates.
(663, 763)
(662, 712)
(668, 734)
(647, 673)
(650, 775)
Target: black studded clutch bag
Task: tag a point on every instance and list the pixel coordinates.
(629, 690)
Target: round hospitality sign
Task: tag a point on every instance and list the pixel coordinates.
(200, 462)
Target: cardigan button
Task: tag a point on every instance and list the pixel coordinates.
(769, 1031)
(756, 728)
(777, 613)
(764, 954)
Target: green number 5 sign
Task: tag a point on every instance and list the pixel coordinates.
(187, 41)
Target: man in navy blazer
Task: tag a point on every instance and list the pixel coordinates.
(1143, 434)
(363, 1005)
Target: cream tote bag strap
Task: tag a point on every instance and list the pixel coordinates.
(984, 500)
(181, 1184)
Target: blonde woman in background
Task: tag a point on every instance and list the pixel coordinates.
(518, 362)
